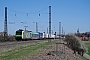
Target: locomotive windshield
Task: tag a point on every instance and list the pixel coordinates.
(18, 32)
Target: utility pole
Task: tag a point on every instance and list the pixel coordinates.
(52, 31)
(5, 24)
(59, 30)
(62, 31)
(64, 34)
(47, 30)
(50, 22)
(36, 27)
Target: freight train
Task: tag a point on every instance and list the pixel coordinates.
(29, 35)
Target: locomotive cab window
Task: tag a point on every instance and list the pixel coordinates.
(18, 33)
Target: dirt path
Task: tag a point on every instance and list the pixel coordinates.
(43, 55)
(87, 56)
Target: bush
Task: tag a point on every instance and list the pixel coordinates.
(75, 44)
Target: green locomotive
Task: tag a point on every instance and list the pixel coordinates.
(26, 35)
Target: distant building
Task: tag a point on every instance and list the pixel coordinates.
(89, 38)
(83, 36)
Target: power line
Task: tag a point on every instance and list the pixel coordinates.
(15, 19)
(28, 12)
(1, 14)
(11, 18)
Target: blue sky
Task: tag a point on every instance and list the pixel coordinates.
(73, 14)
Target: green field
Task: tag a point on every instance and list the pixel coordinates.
(23, 51)
(87, 43)
(88, 50)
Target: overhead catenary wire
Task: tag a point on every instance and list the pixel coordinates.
(16, 19)
(1, 16)
(11, 18)
(27, 12)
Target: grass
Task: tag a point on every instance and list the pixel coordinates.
(88, 50)
(87, 43)
(22, 51)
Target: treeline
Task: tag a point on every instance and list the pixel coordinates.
(83, 36)
(7, 38)
(87, 34)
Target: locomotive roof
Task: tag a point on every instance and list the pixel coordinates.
(19, 30)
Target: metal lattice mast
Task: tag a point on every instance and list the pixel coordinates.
(50, 21)
(5, 24)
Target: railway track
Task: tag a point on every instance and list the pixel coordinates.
(4, 46)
